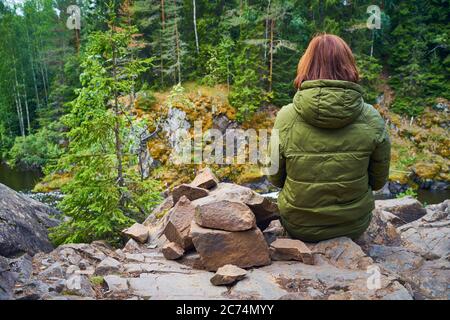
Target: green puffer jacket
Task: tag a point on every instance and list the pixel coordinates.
(334, 150)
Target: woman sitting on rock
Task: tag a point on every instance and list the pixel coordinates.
(334, 148)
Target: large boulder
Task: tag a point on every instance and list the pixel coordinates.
(407, 209)
(217, 248)
(225, 215)
(24, 224)
(264, 209)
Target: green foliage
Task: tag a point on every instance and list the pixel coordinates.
(35, 150)
(104, 195)
(410, 192)
(369, 71)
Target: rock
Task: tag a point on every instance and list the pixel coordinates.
(137, 232)
(407, 209)
(293, 280)
(427, 278)
(225, 215)
(176, 286)
(54, 271)
(380, 231)
(179, 223)
(205, 179)
(431, 237)
(72, 269)
(190, 192)
(227, 275)
(264, 209)
(7, 279)
(79, 285)
(172, 251)
(116, 284)
(274, 231)
(23, 224)
(135, 257)
(217, 248)
(343, 253)
(161, 210)
(108, 266)
(132, 246)
(289, 249)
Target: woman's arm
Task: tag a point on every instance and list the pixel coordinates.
(380, 162)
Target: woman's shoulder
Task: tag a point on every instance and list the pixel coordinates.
(373, 118)
(285, 116)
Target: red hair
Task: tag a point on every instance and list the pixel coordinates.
(327, 57)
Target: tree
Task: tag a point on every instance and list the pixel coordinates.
(105, 194)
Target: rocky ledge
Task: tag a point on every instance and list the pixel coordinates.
(224, 241)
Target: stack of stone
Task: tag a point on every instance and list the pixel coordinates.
(223, 223)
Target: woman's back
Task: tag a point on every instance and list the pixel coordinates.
(334, 149)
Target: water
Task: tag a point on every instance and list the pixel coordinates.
(19, 180)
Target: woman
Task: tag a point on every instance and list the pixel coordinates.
(334, 148)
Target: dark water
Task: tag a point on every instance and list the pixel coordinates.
(19, 180)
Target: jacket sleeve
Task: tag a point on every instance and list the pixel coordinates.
(380, 162)
(278, 177)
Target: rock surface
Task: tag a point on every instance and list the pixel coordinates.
(217, 248)
(23, 224)
(225, 215)
(227, 275)
(396, 259)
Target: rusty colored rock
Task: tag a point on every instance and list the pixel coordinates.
(172, 251)
(190, 192)
(225, 215)
(205, 179)
(290, 249)
(217, 248)
(179, 222)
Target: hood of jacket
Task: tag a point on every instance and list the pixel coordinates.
(329, 104)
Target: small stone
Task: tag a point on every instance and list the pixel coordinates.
(225, 215)
(55, 271)
(227, 275)
(132, 246)
(179, 223)
(172, 251)
(116, 284)
(274, 231)
(190, 192)
(83, 264)
(72, 269)
(79, 285)
(137, 232)
(289, 249)
(205, 179)
(107, 266)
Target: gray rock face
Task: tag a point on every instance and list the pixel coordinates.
(23, 224)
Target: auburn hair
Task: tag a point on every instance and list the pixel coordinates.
(327, 57)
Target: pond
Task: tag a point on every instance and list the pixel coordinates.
(19, 180)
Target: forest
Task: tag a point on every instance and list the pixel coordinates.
(87, 102)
